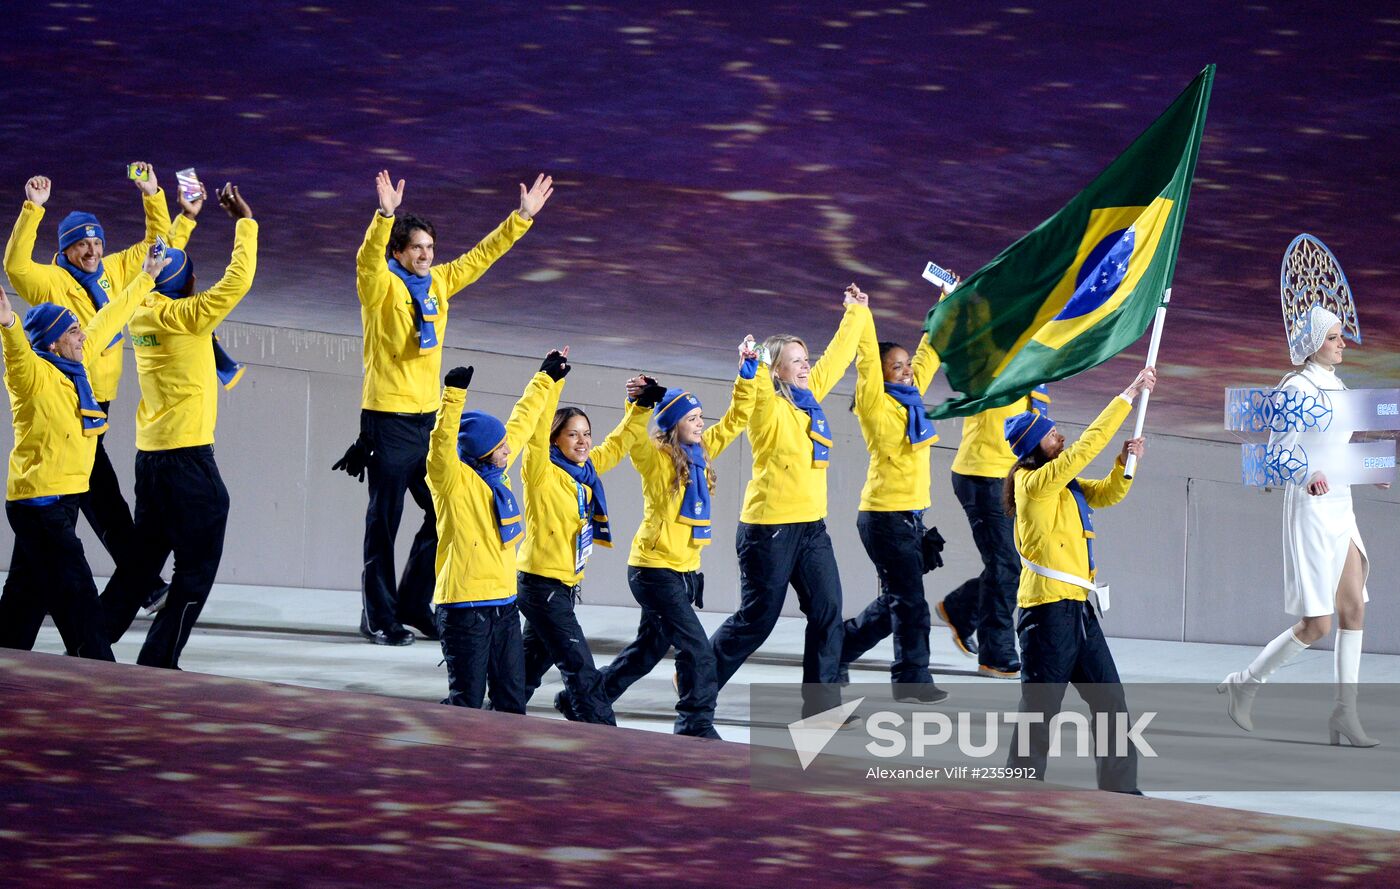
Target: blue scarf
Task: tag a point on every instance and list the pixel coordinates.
(425, 307)
(819, 431)
(921, 430)
(94, 419)
(587, 476)
(503, 501)
(92, 283)
(695, 499)
(1086, 518)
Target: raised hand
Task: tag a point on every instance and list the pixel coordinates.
(1133, 446)
(233, 202)
(1145, 381)
(748, 349)
(189, 207)
(37, 190)
(154, 262)
(7, 312)
(651, 394)
(459, 377)
(149, 185)
(855, 296)
(635, 386)
(533, 198)
(556, 364)
(389, 196)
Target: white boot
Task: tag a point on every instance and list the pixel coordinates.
(1347, 665)
(1242, 686)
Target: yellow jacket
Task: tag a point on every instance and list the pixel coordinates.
(983, 450)
(51, 455)
(48, 283)
(552, 522)
(786, 487)
(399, 377)
(175, 356)
(898, 477)
(1049, 531)
(662, 541)
(472, 565)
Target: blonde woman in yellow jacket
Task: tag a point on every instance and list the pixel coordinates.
(181, 501)
(889, 406)
(57, 421)
(663, 569)
(782, 537)
(82, 277)
(566, 516)
(404, 301)
(478, 530)
(1061, 640)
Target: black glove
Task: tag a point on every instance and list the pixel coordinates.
(459, 377)
(931, 548)
(651, 393)
(353, 463)
(556, 365)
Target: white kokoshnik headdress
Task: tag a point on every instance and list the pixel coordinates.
(1315, 295)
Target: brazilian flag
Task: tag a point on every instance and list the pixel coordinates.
(1084, 285)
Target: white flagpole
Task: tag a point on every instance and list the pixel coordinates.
(1130, 467)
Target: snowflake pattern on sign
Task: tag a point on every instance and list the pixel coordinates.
(1311, 276)
(1273, 465)
(1277, 410)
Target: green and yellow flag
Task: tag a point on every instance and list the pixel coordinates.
(1084, 285)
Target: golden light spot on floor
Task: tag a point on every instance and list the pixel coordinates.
(1310, 131)
(252, 115)
(175, 776)
(743, 127)
(540, 276)
(209, 839)
(836, 23)
(931, 88)
(636, 29)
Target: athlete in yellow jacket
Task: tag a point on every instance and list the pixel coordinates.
(1061, 640)
(82, 277)
(664, 567)
(478, 530)
(403, 305)
(181, 501)
(57, 421)
(782, 535)
(889, 406)
(984, 605)
(566, 515)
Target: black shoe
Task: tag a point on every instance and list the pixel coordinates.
(429, 632)
(963, 640)
(843, 675)
(394, 636)
(564, 704)
(156, 600)
(1012, 671)
(918, 693)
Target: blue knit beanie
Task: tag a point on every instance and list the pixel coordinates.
(76, 226)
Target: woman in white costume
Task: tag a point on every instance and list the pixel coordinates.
(1324, 560)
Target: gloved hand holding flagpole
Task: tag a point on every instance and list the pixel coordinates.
(1130, 467)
